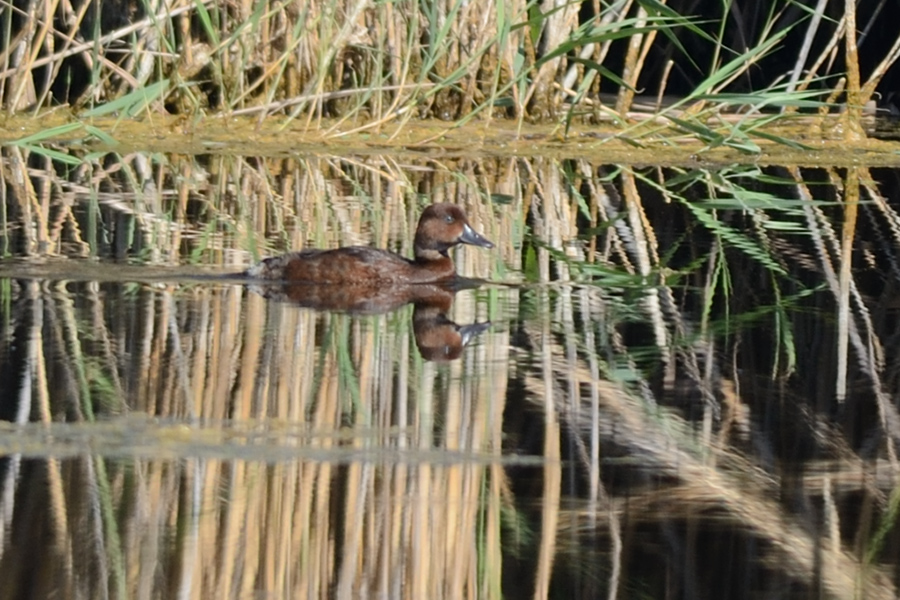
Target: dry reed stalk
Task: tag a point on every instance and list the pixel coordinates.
(225, 329)
(829, 50)
(585, 172)
(868, 89)
(104, 339)
(486, 421)
(552, 475)
(459, 433)
(200, 350)
(663, 82)
(23, 193)
(23, 92)
(548, 226)
(890, 217)
(280, 559)
(46, 42)
(401, 64)
(68, 332)
(330, 51)
(637, 51)
(811, 31)
(493, 555)
(645, 248)
(851, 209)
(608, 209)
(86, 46)
(160, 401)
(504, 224)
(863, 338)
(597, 52)
(598, 497)
(853, 129)
(555, 30)
(645, 254)
(355, 479)
(62, 532)
(826, 126)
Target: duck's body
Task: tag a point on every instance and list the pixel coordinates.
(356, 265)
(441, 227)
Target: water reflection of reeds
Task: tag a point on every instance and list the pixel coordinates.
(369, 524)
(658, 361)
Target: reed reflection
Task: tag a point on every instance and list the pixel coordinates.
(670, 359)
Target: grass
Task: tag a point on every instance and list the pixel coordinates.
(372, 64)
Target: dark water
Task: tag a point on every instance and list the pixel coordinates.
(673, 384)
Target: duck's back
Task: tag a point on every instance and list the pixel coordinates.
(353, 265)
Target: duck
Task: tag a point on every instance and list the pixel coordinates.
(441, 227)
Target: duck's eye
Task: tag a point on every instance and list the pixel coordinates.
(449, 219)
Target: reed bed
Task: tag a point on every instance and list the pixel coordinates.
(233, 444)
(363, 65)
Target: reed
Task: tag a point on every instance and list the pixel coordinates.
(364, 66)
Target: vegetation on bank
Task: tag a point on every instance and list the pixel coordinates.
(364, 64)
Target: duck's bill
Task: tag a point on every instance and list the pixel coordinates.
(467, 332)
(470, 236)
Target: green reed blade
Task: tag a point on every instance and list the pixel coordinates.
(206, 21)
(47, 134)
(52, 154)
(132, 103)
(100, 135)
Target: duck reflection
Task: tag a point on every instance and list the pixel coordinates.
(438, 338)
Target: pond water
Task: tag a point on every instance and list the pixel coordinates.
(674, 382)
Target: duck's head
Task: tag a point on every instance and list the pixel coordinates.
(443, 226)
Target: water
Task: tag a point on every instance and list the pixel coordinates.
(670, 387)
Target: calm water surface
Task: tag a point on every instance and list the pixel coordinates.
(675, 383)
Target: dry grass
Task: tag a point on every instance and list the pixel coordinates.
(369, 64)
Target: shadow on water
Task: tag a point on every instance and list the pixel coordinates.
(677, 382)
